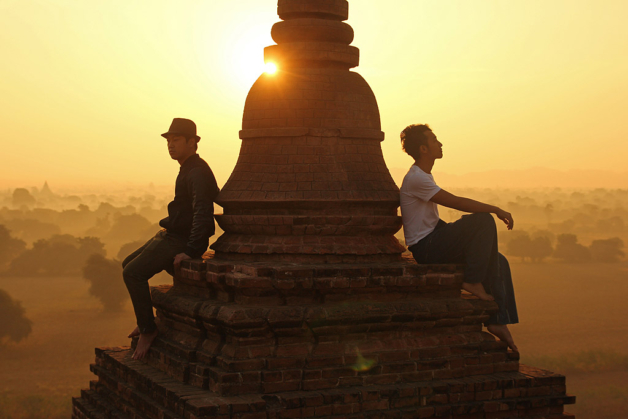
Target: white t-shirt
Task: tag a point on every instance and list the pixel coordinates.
(419, 214)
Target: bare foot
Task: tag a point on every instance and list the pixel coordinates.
(502, 332)
(143, 345)
(135, 332)
(477, 290)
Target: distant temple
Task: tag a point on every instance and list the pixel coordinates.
(46, 191)
(306, 307)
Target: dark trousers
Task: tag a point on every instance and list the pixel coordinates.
(472, 240)
(153, 257)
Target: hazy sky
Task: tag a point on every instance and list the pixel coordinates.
(86, 87)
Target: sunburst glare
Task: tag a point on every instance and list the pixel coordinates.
(270, 68)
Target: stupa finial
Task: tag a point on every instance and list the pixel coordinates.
(313, 34)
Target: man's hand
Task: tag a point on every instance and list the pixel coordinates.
(180, 258)
(506, 217)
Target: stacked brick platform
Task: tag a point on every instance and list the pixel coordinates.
(260, 340)
(307, 308)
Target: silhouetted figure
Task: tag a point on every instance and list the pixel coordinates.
(186, 230)
(471, 240)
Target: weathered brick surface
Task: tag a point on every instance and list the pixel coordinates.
(127, 388)
(311, 183)
(275, 328)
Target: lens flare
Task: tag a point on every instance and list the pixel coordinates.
(362, 364)
(270, 68)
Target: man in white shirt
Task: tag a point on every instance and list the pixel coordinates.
(471, 240)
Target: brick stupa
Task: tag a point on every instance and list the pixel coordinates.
(307, 307)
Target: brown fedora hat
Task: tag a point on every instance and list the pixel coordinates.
(182, 126)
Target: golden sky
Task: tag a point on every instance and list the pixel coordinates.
(87, 86)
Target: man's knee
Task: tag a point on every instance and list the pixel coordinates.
(484, 218)
(131, 275)
(127, 273)
(481, 220)
(126, 261)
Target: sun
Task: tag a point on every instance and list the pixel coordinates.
(270, 68)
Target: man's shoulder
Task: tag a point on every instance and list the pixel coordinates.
(416, 175)
(199, 163)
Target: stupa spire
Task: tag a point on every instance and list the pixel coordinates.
(313, 34)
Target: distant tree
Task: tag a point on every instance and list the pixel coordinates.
(520, 246)
(100, 227)
(128, 227)
(22, 197)
(59, 255)
(31, 230)
(543, 233)
(105, 208)
(524, 247)
(607, 250)
(128, 248)
(549, 211)
(541, 248)
(105, 279)
(611, 225)
(14, 325)
(564, 227)
(10, 247)
(569, 250)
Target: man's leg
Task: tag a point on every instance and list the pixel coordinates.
(504, 293)
(136, 253)
(129, 258)
(157, 255)
(471, 240)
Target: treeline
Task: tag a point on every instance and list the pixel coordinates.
(58, 255)
(589, 214)
(116, 225)
(63, 254)
(540, 246)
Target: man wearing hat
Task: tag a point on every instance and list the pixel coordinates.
(186, 229)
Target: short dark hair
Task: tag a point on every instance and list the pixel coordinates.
(413, 137)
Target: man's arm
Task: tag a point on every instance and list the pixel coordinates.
(459, 203)
(203, 189)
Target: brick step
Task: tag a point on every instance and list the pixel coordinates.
(321, 321)
(128, 402)
(528, 393)
(83, 409)
(197, 318)
(426, 339)
(105, 405)
(275, 284)
(287, 375)
(334, 367)
(292, 374)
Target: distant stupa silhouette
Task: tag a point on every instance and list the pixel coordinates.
(46, 191)
(307, 308)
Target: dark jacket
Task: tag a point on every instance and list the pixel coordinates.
(191, 213)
